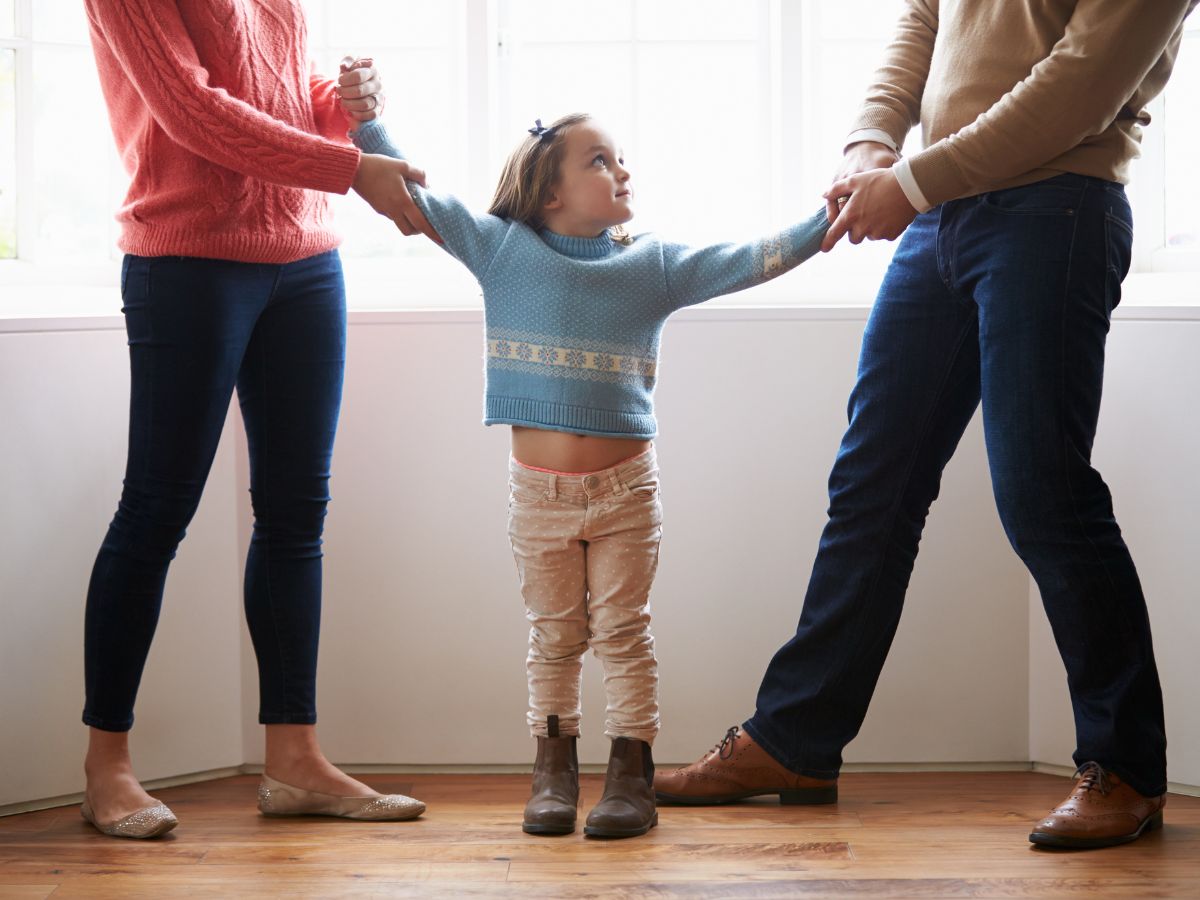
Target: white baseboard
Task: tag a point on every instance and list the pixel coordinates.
(1188, 790)
(155, 784)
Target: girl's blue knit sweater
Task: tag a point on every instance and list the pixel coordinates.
(573, 324)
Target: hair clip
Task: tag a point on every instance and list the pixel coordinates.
(540, 131)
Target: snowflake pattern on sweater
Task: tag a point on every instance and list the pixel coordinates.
(573, 325)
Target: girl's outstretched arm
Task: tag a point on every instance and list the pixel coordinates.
(470, 238)
(696, 274)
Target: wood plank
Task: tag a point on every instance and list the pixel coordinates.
(893, 835)
(26, 891)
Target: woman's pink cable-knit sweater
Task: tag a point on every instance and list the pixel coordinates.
(229, 140)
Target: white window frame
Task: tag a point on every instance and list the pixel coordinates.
(1148, 187)
(789, 76)
(23, 49)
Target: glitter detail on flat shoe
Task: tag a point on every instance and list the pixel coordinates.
(391, 806)
(278, 799)
(145, 823)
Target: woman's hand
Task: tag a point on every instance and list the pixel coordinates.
(380, 180)
(360, 89)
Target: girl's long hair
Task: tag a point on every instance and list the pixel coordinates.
(531, 173)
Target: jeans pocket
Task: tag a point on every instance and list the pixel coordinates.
(135, 298)
(525, 495)
(1054, 197)
(645, 487)
(135, 277)
(1118, 254)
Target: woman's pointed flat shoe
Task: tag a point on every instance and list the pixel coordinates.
(278, 799)
(145, 823)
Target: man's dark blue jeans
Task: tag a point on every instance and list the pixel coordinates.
(197, 328)
(1005, 299)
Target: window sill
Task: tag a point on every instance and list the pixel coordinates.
(39, 299)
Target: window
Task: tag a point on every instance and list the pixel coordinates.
(731, 116)
(685, 87)
(1182, 136)
(8, 150)
(62, 181)
(417, 46)
(8, 130)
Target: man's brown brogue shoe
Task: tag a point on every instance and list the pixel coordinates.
(1101, 811)
(735, 769)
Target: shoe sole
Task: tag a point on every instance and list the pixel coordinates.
(159, 831)
(1049, 839)
(796, 797)
(547, 830)
(407, 817)
(593, 831)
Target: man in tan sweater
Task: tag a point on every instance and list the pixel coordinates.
(1017, 235)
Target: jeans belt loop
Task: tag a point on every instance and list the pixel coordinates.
(552, 493)
(618, 483)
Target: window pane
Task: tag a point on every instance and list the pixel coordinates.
(701, 171)
(838, 85)
(8, 21)
(360, 28)
(76, 188)
(562, 21)
(356, 28)
(867, 20)
(699, 20)
(546, 81)
(60, 21)
(412, 42)
(699, 104)
(1182, 138)
(8, 156)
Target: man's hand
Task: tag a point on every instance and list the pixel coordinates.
(870, 205)
(360, 89)
(380, 181)
(861, 156)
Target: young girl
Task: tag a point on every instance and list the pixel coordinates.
(574, 308)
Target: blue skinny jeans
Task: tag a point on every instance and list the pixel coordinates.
(198, 329)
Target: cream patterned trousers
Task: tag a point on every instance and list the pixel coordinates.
(586, 548)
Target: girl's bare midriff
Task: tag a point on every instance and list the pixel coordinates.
(564, 452)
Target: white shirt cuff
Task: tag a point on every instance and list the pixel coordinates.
(871, 134)
(908, 184)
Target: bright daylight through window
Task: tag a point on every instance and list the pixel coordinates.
(731, 116)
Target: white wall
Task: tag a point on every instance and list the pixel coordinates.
(423, 645)
(64, 397)
(1148, 450)
(423, 637)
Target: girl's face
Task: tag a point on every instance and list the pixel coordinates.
(593, 190)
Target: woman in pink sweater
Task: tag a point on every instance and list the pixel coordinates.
(231, 279)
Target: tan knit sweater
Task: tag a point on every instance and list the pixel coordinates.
(1009, 92)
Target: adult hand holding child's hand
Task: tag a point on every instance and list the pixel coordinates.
(380, 180)
(360, 89)
(865, 199)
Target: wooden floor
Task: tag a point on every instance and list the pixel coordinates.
(910, 835)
